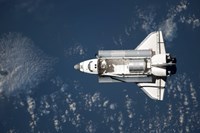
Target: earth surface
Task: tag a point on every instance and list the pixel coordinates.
(42, 40)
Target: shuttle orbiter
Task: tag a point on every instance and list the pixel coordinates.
(148, 65)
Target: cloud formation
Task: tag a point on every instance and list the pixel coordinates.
(71, 108)
(26, 64)
(76, 49)
(150, 19)
(169, 28)
(190, 20)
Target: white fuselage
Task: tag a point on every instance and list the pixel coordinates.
(126, 66)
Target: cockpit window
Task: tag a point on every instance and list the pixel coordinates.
(90, 66)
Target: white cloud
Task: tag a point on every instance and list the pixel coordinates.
(69, 108)
(72, 106)
(181, 15)
(169, 25)
(113, 106)
(196, 23)
(169, 28)
(27, 65)
(91, 127)
(147, 19)
(76, 49)
(190, 20)
(182, 6)
(175, 10)
(127, 31)
(31, 109)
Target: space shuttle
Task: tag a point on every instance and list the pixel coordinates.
(148, 65)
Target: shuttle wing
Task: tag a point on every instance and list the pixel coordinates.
(153, 41)
(154, 90)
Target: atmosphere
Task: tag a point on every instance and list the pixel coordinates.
(41, 41)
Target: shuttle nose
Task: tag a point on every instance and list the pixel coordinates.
(77, 67)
